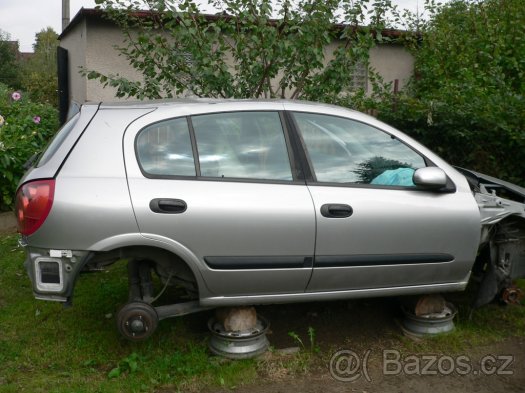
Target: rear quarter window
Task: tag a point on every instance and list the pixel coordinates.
(57, 140)
(164, 149)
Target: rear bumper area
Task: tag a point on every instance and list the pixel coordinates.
(53, 272)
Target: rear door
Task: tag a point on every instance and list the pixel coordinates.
(375, 228)
(223, 186)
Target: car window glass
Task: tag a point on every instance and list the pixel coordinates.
(347, 151)
(242, 145)
(164, 149)
(57, 140)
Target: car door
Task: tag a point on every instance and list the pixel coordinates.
(375, 228)
(222, 186)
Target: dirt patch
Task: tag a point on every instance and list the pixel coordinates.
(7, 223)
(368, 328)
(334, 323)
(321, 381)
(7, 232)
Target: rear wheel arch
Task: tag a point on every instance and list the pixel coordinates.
(166, 263)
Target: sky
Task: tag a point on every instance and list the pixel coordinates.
(22, 19)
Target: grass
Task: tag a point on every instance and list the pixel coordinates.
(47, 348)
(474, 328)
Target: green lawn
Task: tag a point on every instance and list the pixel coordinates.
(47, 348)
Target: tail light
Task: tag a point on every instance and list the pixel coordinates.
(33, 203)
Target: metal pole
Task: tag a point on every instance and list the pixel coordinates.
(65, 14)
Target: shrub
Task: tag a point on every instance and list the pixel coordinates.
(25, 129)
(467, 101)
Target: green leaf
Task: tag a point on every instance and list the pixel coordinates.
(115, 373)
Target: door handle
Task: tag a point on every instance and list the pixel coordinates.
(336, 210)
(168, 206)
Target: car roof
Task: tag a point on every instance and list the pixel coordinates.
(211, 101)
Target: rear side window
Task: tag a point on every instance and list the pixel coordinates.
(248, 145)
(58, 139)
(164, 149)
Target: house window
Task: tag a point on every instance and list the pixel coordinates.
(185, 59)
(359, 77)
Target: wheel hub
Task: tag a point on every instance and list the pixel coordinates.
(137, 326)
(137, 321)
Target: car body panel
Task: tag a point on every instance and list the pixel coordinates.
(223, 301)
(394, 224)
(54, 163)
(91, 195)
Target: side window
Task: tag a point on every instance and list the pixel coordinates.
(164, 149)
(346, 151)
(247, 145)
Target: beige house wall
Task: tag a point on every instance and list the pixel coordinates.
(75, 43)
(91, 44)
(101, 56)
(392, 61)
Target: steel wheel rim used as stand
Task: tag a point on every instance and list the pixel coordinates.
(238, 344)
(430, 324)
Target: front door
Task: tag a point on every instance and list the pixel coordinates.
(375, 228)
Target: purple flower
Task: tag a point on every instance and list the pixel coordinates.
(36, 119)
(16, 96)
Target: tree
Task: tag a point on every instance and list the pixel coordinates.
(9, 70)
(40, 71)
(46, 42)
(467, 100)
(253, 48)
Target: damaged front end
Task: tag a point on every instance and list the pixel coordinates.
(501, 258)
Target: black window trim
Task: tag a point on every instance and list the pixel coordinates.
(311, 180)
(302, 164)
(194, 149)
(295, 163)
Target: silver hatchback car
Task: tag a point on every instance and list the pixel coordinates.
(257, 202)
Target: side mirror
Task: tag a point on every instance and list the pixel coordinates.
(430, 177)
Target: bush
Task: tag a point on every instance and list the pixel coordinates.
(484, 134)
(25, 129)
(467, 101)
